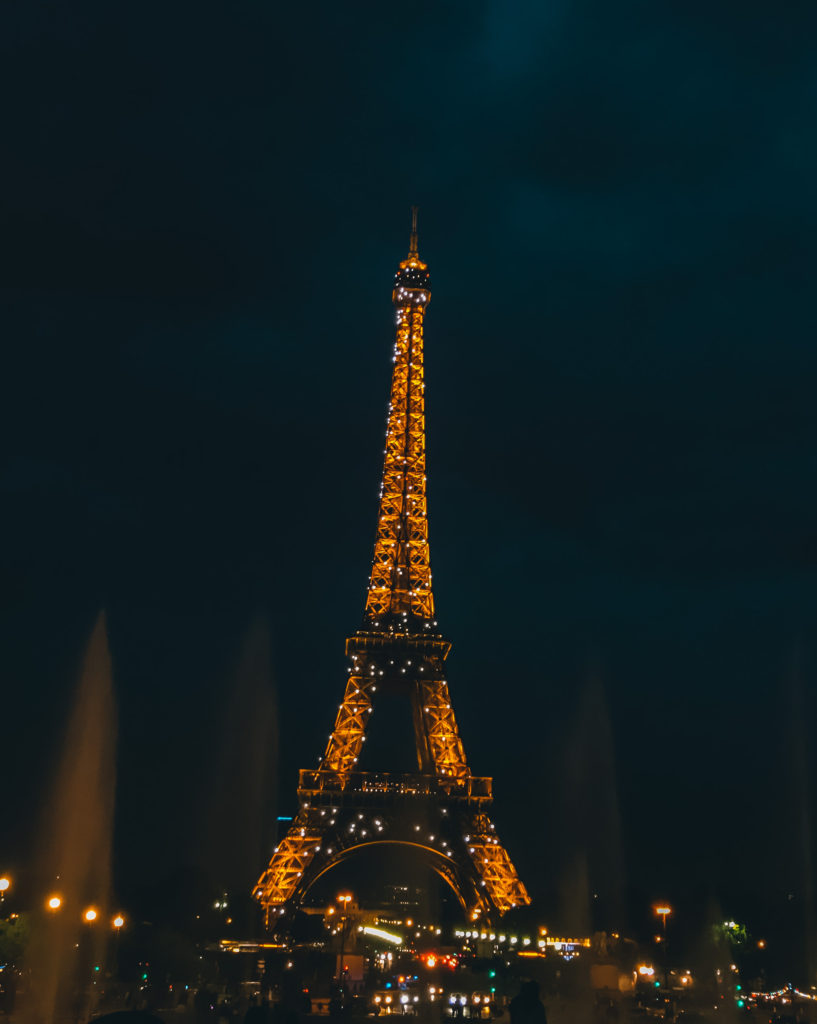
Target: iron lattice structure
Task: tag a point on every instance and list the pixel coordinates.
(439, 811)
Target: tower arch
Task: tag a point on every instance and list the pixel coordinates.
(443, 867)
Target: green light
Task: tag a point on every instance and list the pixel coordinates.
(492, 991)
(658, 984)
(741, 1003)
(96, 967)
(738, 988)
(144, 977)
(491, 974)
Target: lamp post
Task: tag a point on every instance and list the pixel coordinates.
(88, 950)
(344, 898)
(663, 910)
(5, 885)
(117, 923)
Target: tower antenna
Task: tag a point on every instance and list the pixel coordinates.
(413, 240)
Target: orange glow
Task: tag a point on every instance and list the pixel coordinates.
(400, 580)
(118, 921)
(399, 641)
(662, 909)
(4, 884)
(90, 915)
(54, 903)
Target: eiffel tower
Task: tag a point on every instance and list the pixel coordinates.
(439, 812)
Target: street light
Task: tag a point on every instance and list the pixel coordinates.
(344, 898)
(54, 903)
(117, 923)
(663, 910)
(5, 884)
(90, 915)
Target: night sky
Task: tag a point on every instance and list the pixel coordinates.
(203, 208)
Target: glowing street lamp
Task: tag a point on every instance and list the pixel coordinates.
(663, 910)
(344, 898)
(5, 885)
(117, 923)
(90, 915)
(54, 903)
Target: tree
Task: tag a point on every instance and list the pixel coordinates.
(731, 934)
(14, 934)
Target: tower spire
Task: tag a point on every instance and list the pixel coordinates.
(399, 598)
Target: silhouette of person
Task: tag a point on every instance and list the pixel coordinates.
(527, 1007)
(260, 1013)
(203, 1006)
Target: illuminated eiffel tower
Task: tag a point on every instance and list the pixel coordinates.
(439, 812)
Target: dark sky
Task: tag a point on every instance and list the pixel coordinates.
(203, 208)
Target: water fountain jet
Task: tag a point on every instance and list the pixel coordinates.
(74, 849)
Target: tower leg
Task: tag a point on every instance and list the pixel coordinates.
(492, 865)
(287, 868)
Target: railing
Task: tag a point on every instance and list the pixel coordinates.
(316, 783)
(364, 641)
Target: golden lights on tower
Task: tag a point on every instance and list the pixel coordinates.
(398, 647)
(399, 592)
